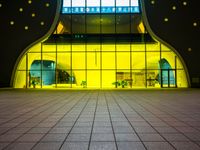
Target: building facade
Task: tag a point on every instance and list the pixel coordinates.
(101, 44)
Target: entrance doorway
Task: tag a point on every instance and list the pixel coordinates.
(168, 78)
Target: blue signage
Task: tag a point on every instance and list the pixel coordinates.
(100, 6)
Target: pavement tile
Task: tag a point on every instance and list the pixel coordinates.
(20, 146)
(18, 130)
(123, 129)
(193, 136)
(4, 144)
(75, 146)
(130, 146)
(56, 137)
(102, 146)
(100, 129)
(39, 130)
(187, 130)
(147, 129)
(30, 138)
(126, 137)
(175, 137)
(60, 130)
(150, 137)
(47, 146)
(158, 146)
(9, 137)
(81, 130)
(102, 137)
(102, 123)
(166, 130)
(185, 146)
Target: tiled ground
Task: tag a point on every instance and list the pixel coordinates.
(100, 120)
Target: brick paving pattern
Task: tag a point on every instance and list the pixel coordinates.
(100, 120)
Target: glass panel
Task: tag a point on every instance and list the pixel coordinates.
(63, 48)
(78, 60)
(93, 47)
(35, 79)
(66, 21)
(122, 6)
(22, 64)
(108, 79)
(48, 48)
(164, 48)
(108, 23)
(63, 61)
(108, 47)
(182, 79)
(65, 79)
(80, 79)
(170, 57)
(93, 23)
(152, 78)
(67, 3)
(123, 60)
(153, 47)
(136, 27)
(36, 48)
(78, 47)
(48, 78)
(108, 60)
(123, 47)
(78, 24)
(20, 80)
(93, 3)
(123, 23)
(62, 78)
(93, 79)
(107, 3)
(138, 47)
(33, 58)
(123, 78)
(179, 63)
(138, 60)
(108, 6)
(138, 78)
(48, 60)
(153, 59)
(93, 60)
(78, 3)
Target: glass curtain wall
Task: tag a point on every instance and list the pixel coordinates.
(100, 62)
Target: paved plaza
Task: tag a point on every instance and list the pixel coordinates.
(100, 119)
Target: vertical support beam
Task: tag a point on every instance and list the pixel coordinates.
(115, 47)
(175, 72)
(100, 46)
(86, 44)
(161, 77)
(27, 73)
(56, 64)
(168, 72)
(71, 47)
(41, 67)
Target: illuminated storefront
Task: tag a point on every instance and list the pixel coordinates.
(100, 44)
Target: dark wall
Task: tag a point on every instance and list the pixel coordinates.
(178, 31)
